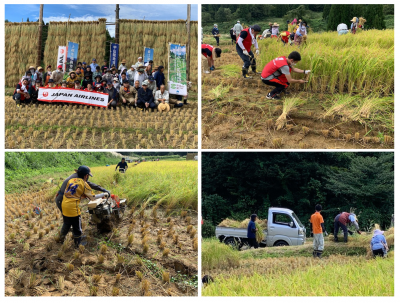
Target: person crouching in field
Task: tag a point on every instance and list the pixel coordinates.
(341, 221)
(209, 53)
(379, 246)
(277, 73)
(251, 231)
(127, 94)
(76, 189)
(317, 231)
(145, 98)
(23, 92)
(284, 37)
(112, 95)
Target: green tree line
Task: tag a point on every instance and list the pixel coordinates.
(235, 185)
(319, 16)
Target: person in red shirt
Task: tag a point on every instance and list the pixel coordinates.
(318, 231)
(284, 36)
(277, 73)
(246, 39)
(23, 92)
(50, 83)
(209, 53)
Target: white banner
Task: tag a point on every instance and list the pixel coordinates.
(177, 70)
(62, 56)
(70, 95)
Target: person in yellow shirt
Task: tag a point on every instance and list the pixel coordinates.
(317, 231)
(76, 189)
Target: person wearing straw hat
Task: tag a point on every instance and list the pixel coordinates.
(275, 30)
(131, 75)
(145, 98)
(57, 75)
(277, 73)
(215, 33)
(47, 75)
(22, 92)
(341, 221)
(378, 245)
(112, 95)
(139, 63)
(246, 39)
(162, 96)
(208, 54)
(127, 94)
(76, 189)
(122, 66)
(32, 69)
(71, 79)
(93, 65)
(139, 75)
(38, 75)
(354, 25)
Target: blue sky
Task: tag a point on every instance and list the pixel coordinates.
(89, 12)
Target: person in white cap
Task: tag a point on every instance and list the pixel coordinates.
(379, 246)
(140, 62)
(237, 28)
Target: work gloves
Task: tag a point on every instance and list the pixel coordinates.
(108, 193)
(307, 71)
(245, 52)
(257, 52)
(326, 233)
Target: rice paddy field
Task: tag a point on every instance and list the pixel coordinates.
(348, 102)
(51, 126)
(151, 251)
(346, 269)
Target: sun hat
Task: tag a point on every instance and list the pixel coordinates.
(378, 232)
(145, 82)
(163, 107)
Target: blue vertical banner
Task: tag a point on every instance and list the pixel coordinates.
(72, 56)
(148, 54)
(114, 51)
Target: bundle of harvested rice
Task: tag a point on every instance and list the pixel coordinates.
(259, 233)
(229, 223)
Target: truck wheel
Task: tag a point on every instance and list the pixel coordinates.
(232, 243)
(281, 243)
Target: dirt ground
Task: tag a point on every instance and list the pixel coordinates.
(51, 126)
(244, 119)
(34, 263)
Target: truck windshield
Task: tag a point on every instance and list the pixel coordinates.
(297, 219)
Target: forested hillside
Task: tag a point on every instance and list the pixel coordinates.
(235, 185)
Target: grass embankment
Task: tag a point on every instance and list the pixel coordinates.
(30, 170)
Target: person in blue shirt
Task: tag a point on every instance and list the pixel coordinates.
(251, 231)
(159, 77)
(93, 65)
(215, 33)
(379, 246)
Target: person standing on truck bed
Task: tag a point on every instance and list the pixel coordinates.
(317, 231)
(251, 231)
(341, 221)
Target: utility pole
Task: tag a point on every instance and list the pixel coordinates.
(117, 23)
(188, 45)
(39, 53)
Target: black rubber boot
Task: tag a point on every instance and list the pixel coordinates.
(254, 69)
(185, 101)
(319, 254)
(314, 254)
(245, 72)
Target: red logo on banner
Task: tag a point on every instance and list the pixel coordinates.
(45, 94)
(62, 51)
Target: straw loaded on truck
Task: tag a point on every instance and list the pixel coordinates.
(283, 228)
